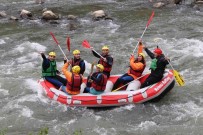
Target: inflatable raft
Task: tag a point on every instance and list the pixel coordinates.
(128, 95)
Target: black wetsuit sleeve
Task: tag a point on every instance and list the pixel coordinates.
(151, 55)
(109, 61)
(46, 62)
(95, 54)
(82, 66)
(97, 78)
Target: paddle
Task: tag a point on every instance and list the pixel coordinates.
(68, 43)
(179, 79)
(58, 44)
(86, 44)
(147, 25)
(127, 83)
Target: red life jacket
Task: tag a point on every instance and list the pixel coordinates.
(137, 73)
(102, 84)
(107, 68)
(76, 63)
(73, 87)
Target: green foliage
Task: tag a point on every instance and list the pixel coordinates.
(3, 131)
(44, 131)
(77, 132)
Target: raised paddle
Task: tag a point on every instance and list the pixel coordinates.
(58, 44)
(147, 25)
(86, 44)
(179, 79)
(68, 43)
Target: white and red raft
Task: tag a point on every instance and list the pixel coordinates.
(128, 95)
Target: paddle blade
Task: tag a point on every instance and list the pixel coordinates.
(179, 79)
(68, 43)
(150, 19)
(54, 38)
(86, 44)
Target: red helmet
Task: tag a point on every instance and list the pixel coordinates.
(158, 51)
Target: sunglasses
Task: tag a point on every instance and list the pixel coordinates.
(51, 56)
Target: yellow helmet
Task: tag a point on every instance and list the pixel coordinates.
(105, 47)
(52, 54)
(76, 69)
(76, 52)
(101, 67)
(142, 54)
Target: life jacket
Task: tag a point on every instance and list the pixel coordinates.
(51, 70)
(153, 64)
(137, 73)
(73, 87)
(102, 84)
(107, 68)
(76, 63)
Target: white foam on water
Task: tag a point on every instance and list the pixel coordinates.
(181, 46)
(147, 124)
(2, 41)
(3, 91)
(126, 107)
(26, 112)
(72, 121)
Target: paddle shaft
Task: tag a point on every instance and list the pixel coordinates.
(127, 83)
(147, 25)
(56, 41)
(139, 40)
(98, 54)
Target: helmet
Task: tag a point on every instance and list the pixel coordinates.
(76, 69)
(101, 67)
(76, 52)
(158, 51)
(142, 54)
(52, 54)
(105, 48)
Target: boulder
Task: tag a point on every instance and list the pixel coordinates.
(158, 4)
(99, 14)
(72, 17)
(25, 14)
(13, 18)
(49, 15)
(3, 14)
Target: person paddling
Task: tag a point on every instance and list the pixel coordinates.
(50, 72)
(157, 67)
(97, 81)
(137, 66)
(106, 61)
(74, 79)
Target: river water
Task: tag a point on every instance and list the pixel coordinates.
(177, 30)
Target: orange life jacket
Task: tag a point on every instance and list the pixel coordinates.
(136, 73)
(102, 84)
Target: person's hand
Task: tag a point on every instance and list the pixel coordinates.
(105, 59)
(143, 46)
(69, 62)
(166, 58)
(90, 80)
(58, 72)
(132, 56)
(91, 48)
